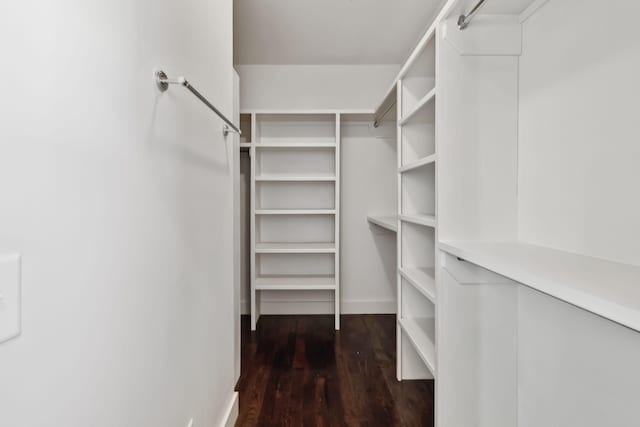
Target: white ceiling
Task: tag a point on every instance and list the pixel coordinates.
(329, 31)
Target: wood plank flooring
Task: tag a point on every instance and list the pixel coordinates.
(298, 371)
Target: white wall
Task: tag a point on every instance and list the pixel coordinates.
(368, 159)
(119, 199)
(314, 86)
(369, 187)
(578, 144)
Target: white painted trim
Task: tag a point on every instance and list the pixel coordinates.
(230, 415)
(368, 307)
(533, 8)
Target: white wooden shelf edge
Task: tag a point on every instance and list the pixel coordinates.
(286, 283)
(606, 288)
(426, 100)
(295, 248)
(422, 342)
(423, 279)
(295, 211)
(289, 145)
(295, 178)
(422, 162)
(305, 112)
(389, 222)
(426, 220)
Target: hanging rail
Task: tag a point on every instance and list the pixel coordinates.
(163, 82)
(464, 20)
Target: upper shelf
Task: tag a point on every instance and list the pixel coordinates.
(389, 222)
(422, 103)
(606, 288)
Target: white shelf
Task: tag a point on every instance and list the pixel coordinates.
(296, 145)
(295, 200)
(295, 211)
(419, 331)
(424, 101)
(419, 219)
(295, 248)
(606, 288)
(388, 222)
(423, 279)
(307, 112)
(422, 162)
(291, 283)
(295, 178)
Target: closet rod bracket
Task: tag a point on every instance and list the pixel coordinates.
(465, 20)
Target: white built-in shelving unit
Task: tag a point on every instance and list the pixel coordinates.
(295, 204)
(417, 230)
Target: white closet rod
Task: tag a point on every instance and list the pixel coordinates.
(464, 20)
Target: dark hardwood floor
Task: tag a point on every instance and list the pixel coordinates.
(298, 371)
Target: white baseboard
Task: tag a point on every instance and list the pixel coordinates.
(230, 415)
(368, 307)
(323, 307)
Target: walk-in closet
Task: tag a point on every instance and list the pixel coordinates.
(488, 187)
(268, 213)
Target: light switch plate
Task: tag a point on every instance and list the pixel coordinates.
(10, 301)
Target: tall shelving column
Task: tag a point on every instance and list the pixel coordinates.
(336, 263)
(252, 229)
(295, 205)
(417, 224)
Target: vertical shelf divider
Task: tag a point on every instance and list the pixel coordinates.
(254, 158)
(337, 224)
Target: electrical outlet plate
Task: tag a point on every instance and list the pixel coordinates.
(10, 298)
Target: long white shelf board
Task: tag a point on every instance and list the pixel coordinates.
(424, 101)
(420, 330)
(295, 248)
(389, 222)
(420, 219)
(289, 283)
(423, 279)
(295, 178)
(295, 211)
(307, 111)
(296, 145)
(418, 164)
(608, 289)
